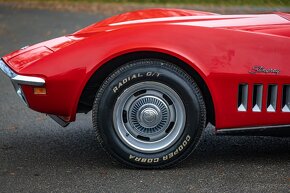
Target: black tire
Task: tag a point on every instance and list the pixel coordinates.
(157, 138)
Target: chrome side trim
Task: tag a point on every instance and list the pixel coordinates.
(242, 129)
(28, 80)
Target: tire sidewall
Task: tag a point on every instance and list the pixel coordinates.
(158, 71)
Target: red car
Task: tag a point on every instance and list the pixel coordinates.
(155, 78)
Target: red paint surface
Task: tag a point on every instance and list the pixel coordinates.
(222, 49)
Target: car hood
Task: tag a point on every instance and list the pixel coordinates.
(141, 15)
(27, 55)
(275, 24)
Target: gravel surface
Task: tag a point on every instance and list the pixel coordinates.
(37, 155)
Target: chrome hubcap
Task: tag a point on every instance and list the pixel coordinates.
(149, 117)
(149, 114)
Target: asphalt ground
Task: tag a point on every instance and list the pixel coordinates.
(37, 155)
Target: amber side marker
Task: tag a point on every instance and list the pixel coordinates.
(39, 90)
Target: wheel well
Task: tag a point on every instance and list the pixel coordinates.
(88, 95)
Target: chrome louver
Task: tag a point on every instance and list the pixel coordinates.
(286, 99)
(272, 98)
(257, 98)
(258, 95)
(243, 97)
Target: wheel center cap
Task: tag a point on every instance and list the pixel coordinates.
(150, 117)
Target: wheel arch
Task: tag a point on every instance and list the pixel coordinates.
(87, 97)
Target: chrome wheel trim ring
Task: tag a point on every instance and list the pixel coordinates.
(149, 117)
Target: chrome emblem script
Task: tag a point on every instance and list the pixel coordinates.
(262, 69)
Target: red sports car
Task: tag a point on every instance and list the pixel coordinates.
(155, 78)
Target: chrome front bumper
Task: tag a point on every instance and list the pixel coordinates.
(18, 80)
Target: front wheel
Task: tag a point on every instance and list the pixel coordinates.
(149, 114)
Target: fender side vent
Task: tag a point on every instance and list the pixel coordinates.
(286, 99)
(272, 98)
(257, 98)
(243, 97)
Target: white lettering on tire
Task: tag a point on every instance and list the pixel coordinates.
(132, 77)
(170, 155)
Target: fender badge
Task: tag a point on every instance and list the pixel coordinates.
(262, 69)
